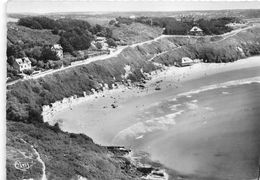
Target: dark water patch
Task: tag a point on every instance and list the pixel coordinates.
(220, 143)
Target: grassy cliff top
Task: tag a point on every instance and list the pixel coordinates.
(136, 32)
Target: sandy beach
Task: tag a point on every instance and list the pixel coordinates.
(171, 78)
(145, 119)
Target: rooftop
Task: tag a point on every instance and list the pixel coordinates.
(196, 29)
(57, 46)
(23, 60)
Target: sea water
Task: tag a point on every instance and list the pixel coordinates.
(211, 132)
(206, 128)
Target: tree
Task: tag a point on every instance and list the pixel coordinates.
(10, 60)
(34, 115)
(28, 71)
(79, 39)
(11, 72)
(108, 33)
(21, 54)
(66, 62)
(98, 45)
(33, 61)
(48, 54)
(47, 65)
(29, 22)
(40, 64)
(99, 28)
(55, 31)
(55, 64)
(38, 22)
(67, 47)
(188, 20)
(111, 42)
(36, 53)
(112, 22)
(13, 50)
(105, 32)
(68, 24)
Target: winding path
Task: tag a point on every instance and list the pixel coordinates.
(44, 177)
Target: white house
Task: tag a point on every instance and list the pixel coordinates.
(196, 31)
(186, 61)
(22, 64)
(58, 49)
(132, 17)
(102, 41)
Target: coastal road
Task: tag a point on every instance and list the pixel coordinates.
(233, 33)
(225, 36)
(119, 50)
(74, 64)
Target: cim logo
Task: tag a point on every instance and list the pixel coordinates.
(23, 165)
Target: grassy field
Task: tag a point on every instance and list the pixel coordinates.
(136, 32)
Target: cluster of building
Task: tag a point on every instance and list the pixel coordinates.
(102, 41)
(24, 63)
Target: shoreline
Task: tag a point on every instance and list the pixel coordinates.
(157, 79)
(67, 103)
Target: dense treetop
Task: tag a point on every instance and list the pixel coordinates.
(42, 22)
(74, 34)
(182, 27)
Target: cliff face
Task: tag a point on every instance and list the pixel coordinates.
(34, 151)
(25, 99)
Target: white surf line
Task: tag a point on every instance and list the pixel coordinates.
(255, 79)
(44, 177)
